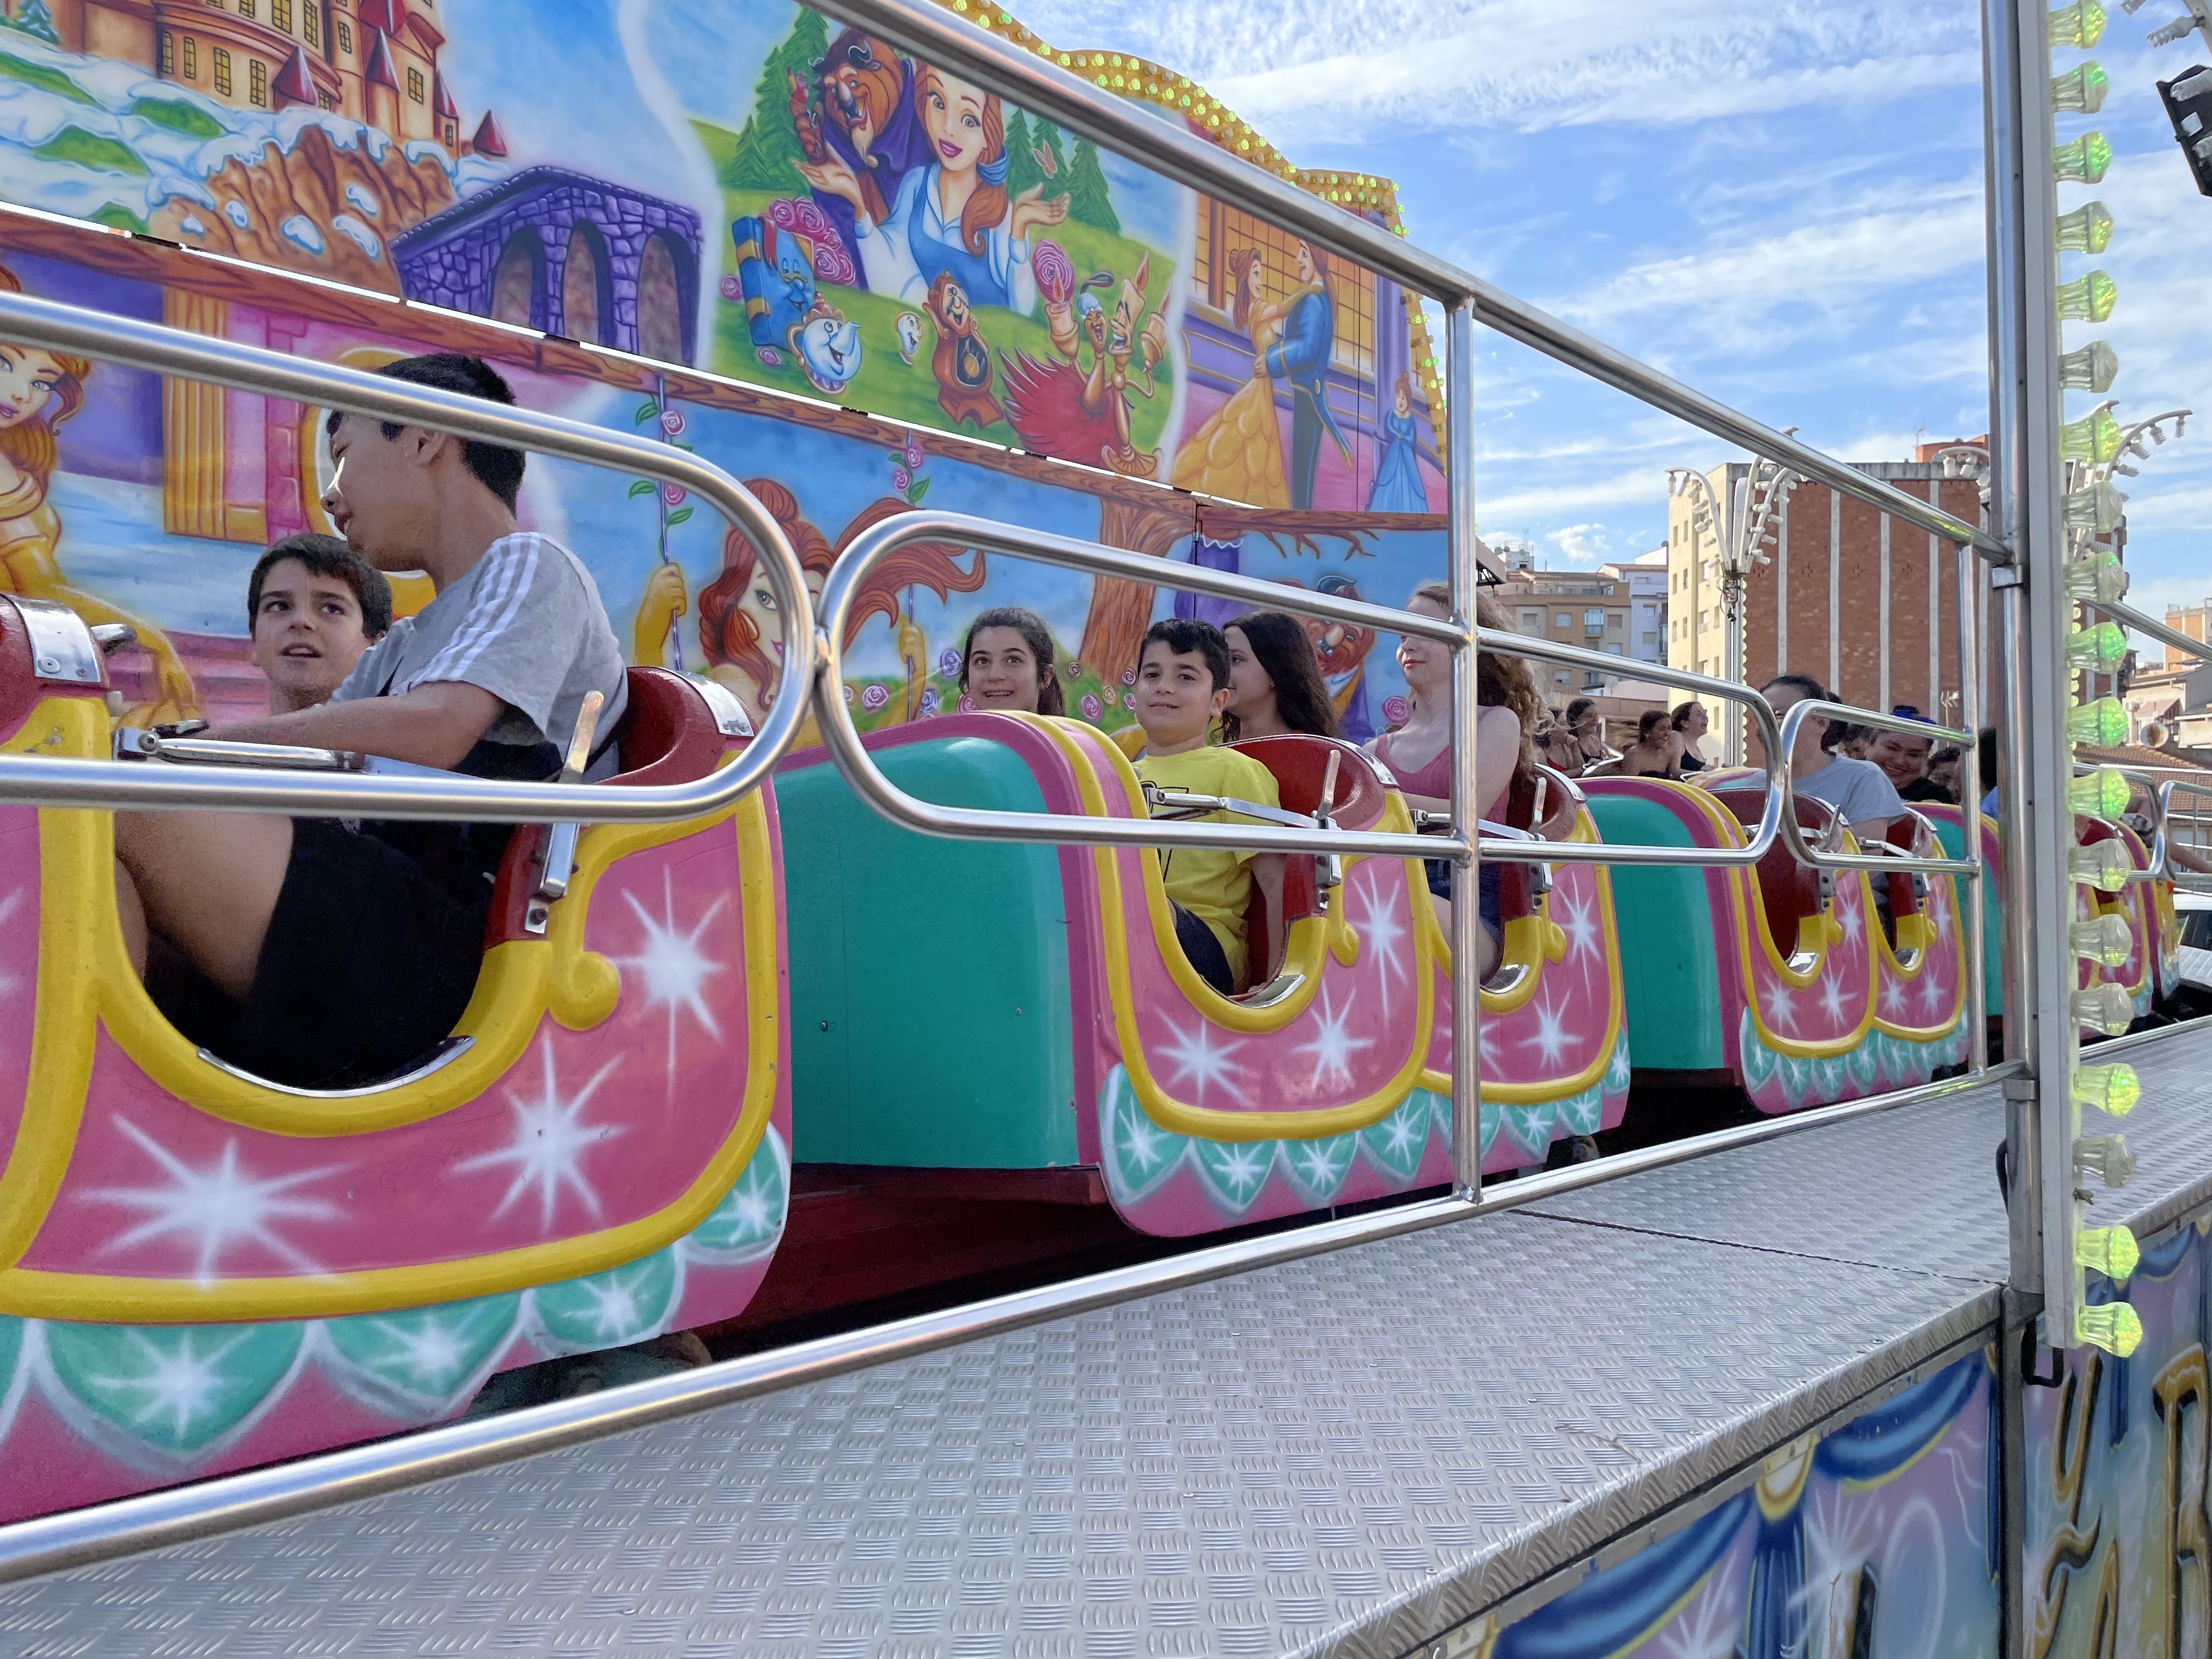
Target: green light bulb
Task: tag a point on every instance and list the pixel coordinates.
(2084, 161)
(2106, 866)
(2097, 509)
(2105, 1007)
(2105, 1158)
(2080, 26)
(2079, 91)
(2099, 650)
(2098, 578)
(2112, 1327)
(2087, 299)
(2103, 939)
(2113, 1090)
(2104, 723)
(2102, 793)
(2095, 438)
(2091, 368)
(2110, 1251)
(2085, 230)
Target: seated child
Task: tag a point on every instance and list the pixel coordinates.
(1182, 686)
(313, 606)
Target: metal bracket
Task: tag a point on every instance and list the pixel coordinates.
(2007, 575)
(2028, 1372)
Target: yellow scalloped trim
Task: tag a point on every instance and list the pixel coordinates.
(85, 982)
(1307, 944)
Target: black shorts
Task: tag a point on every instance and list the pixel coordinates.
(367, 965)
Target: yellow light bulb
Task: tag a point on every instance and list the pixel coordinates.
(2112, 1327)
(2104, 866)
(2110, 1089)
(2102, 793)
(2103, 722)
(2106, 939)
(2105, 1007)
(2110, 1251)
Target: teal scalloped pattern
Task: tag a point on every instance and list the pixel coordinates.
(1140, 1156)
(1880, 1062)
(165, 1397)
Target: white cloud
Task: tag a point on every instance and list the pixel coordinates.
(1582, 543)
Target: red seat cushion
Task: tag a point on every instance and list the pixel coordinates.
(1298, 763)
(1790, 891)
(667, 734)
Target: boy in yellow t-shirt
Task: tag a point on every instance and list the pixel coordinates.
(1182, 685)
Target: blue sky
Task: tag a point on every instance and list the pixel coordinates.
(1780, 202)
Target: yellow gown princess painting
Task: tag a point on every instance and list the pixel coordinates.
(1238, 453)
(40, 390)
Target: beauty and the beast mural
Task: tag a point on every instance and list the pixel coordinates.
(748, 189)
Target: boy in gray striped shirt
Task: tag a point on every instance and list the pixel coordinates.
(322, 954)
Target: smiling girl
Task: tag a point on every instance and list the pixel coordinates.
(953, 215)
(40, 390)
(1008, 663)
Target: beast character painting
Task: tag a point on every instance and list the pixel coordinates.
(862, 115)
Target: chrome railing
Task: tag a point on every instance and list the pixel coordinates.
(53, 782)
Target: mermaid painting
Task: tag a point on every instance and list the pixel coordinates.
(740, 624)
(1238, 453)
(40, 390)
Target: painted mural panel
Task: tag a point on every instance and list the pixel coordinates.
(2119, 1546)
(1877, 1537)
(751, 188)
(147, 501)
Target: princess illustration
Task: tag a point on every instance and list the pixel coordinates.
(1398, 486)
(953, 215)
(741, 626)
(1238, 453)
(40, 390)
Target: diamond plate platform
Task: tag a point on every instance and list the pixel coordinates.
(1345, 1455)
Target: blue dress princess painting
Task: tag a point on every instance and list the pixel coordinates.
(953, 214)
(1397, 487)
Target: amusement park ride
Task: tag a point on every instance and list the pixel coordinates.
(842, 997)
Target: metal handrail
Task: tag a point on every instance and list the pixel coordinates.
(2135, 622)
(1881, 863)
(258, 1496)
(1033, 82)
(54, 781)
(843, 738)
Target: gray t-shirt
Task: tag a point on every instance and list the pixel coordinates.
(1858, 790)
(526, 625)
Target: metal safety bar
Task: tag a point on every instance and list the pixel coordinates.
(52, 781)
(1793, 833)
(1036, 84)
(77, 1538)
(843, 738)
(2135, 622)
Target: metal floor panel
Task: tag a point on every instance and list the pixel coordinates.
(1917, 1187)
(1341, 1454)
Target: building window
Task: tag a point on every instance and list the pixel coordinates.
(415, 84)
(257, 82)
(169, 53)
(223, 71)
(1531, 622)
(1564, 619)
(345, 35)
(1593, 619)
(191, 60)
(248, 8)
(280, 14)
(1560, 679)
(324, 101)
(1612, 650)
(312, 19)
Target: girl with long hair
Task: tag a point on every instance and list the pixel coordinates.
(1419, 751)
(40, 390)
(1237, 452)
(953, 215)
(741, 629)
(1275, 683)
(1008, 662)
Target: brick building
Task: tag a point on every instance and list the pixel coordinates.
(1584, 608)
(1865, 603)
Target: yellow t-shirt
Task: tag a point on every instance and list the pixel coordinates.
(1213, 885)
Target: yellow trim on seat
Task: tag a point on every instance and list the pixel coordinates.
(1307, 946)
(85, 982)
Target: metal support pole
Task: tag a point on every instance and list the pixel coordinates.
(1467, 871)
(1971, 789)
